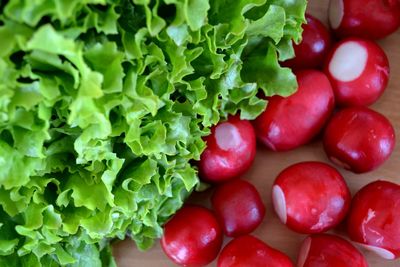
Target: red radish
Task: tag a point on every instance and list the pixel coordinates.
(192, 237)
(250, 251)
(293, 121)
(238, 207)
(359, 139)
(329, 251)
(230, 151)
(310, 197)
(374, 218)
(311, 52)
(358, 70)
(370, 19)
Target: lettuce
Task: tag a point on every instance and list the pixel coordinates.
(103, 106)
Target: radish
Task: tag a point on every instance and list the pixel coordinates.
(312, 50)
(192, 237)
(293, 121)
(310, 197)
(250, 251)
(230, 150)
(359, 139)
(238, 206)
(370, 19)
(329, 251)
(358, 70)
(374, 218)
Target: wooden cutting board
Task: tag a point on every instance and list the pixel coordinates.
(268, 164)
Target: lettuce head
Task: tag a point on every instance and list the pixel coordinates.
(103, 107)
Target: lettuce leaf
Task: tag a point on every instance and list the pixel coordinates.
(103, 107)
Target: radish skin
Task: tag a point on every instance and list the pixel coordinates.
(358, 71)
(249, 251)
(372, 19)
(192, 237)
(359, 139)
(290, 122)
(374, 218)
(230, 151)
(310, 197)
(329, 251)
(238, 207)
(311, 52)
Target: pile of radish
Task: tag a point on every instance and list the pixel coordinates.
(336, 84)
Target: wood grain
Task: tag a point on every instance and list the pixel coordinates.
(268, 164)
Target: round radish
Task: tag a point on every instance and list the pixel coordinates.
(370, 19)
(238, 207)
(358, 70)
(329, 251)
(359, 139)
(230, 151)
(310, 197)
(311, 51)
(192, 237)
(250, 251)
(293, 121)
(374, 218)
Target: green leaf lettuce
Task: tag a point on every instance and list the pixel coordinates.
(103, 107)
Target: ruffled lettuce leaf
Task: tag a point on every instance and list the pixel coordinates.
(103, 107)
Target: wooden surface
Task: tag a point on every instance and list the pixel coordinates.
(268, 164)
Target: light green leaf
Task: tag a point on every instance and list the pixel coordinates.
(104, 105)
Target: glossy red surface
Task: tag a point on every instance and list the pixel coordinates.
(374, 218)
(238, 207)
(290, 122)
(359, 139)
(371, 19)
(230, 151)
(324, 250)
(372, 81)
(317, 197)
(192, 237)
(312, 50)
(250, 251)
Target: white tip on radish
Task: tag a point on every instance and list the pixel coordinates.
(384, 253)
(340, 163)
(348, 61)
(304, 250)
(227, 136)
(336, 11)
(279, 201)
